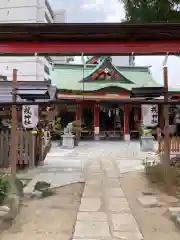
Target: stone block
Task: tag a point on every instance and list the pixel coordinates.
(68, 141)
(147, 143)
(170, 200)
(112, 183)
(92, 216)
(95, 230)
(124, 222)
(178, 220)
(128, 235)
(174, 212)
(92, 191)
(149, 201)
(111, 174)
(90, 205)
(115, 192)
(118, 205)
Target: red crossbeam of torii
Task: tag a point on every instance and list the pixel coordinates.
(89, 48)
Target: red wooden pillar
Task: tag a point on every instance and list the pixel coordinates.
(126, 123)
(96, 121)
(78, 112)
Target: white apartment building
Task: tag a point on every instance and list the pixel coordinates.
(29, 11)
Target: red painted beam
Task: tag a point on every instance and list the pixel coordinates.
(75, 48)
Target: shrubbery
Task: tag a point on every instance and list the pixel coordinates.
(166, 176)
(4, 187)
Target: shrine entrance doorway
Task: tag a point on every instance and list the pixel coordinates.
(111, 122)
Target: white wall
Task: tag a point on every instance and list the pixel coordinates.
(29, 68)
(15, 3)
(22, 11)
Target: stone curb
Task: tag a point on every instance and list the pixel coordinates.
(174, 215)
(29, 194)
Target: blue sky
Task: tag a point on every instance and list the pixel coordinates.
(84, 11)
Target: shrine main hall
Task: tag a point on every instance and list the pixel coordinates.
(92, 93)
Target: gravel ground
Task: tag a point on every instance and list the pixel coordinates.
(51, 218)
(153, 222)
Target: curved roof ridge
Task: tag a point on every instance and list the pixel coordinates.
(134, 67)
(56, 65)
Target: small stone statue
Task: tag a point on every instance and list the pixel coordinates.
(69, 128)
(65, 131)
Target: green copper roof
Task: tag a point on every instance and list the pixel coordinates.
(107, 64)
(70, 76)
(139, 75)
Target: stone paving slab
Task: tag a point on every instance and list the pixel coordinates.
(115, 192)
(85, 230)
(97, 181)
(92, 190)
(92, 216)
(149, 201)
(118, 205)
(106, 238)
(112, 183)
(111, 174)
(124, 222)
(128, 235)
(90, 204)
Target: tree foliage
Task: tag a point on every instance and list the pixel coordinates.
(148, 11)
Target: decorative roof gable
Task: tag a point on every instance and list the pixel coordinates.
(94, 60)
(106, 71)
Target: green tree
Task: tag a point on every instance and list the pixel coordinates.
(149, 11)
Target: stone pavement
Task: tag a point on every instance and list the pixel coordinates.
(61, 167)
(104, 212)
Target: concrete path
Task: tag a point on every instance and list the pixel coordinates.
(104, 212)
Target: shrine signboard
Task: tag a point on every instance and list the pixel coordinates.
(150, 115)
(30, 116)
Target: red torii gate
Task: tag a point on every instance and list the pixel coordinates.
(89, 48)
(101, 39)
(91, 39)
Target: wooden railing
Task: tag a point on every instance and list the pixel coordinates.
(25, 151)
(174, 143)
(46, 143)
(32, 147)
